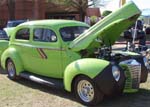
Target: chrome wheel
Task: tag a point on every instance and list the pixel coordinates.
(85, 90)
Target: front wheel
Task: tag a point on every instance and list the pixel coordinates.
(86, 91)
(11, 70)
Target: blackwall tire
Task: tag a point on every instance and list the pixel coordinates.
(87, 92)
(11, 69)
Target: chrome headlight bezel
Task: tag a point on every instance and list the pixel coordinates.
(116, 72)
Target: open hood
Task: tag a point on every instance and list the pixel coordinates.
(108, 29)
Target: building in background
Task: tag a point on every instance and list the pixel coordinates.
(39, 9)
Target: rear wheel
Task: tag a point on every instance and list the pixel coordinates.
(86, 91)
(11, 69)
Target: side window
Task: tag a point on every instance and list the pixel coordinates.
(38, 34)
(23, 34)
(44, 35)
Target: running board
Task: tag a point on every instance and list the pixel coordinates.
(51, 82)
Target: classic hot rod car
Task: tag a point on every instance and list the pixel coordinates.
(70, 55)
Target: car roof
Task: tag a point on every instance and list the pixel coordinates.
(53, 22)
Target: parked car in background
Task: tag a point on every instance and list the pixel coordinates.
(11, 24)
(68, 54)
(14, 23)
(3, 35)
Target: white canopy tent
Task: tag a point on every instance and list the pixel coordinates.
(146, 16)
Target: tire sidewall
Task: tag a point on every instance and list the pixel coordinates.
(9, 75)
(98, 95)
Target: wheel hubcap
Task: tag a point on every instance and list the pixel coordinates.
(85, 90)
(11, 69)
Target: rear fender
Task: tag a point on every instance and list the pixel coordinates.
(3, 46)
(12, 54)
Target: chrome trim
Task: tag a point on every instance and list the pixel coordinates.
(135, 71)
(41, 47)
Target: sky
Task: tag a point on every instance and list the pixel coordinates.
(142, 4)
(114, 4)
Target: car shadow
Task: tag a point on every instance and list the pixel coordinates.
(2, 71)
(138, 99)
(44, 88)
(47, 89)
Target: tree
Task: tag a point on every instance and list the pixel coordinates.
(11, 7)
(61, 2)
(106, 12)
(79, 5)
(100, 3)
(82, 5)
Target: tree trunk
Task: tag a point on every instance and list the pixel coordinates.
(11, 9)
(82, 15)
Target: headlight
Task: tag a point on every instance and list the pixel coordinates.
(116, 72)
(146, 62)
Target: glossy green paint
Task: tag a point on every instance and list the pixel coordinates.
(9, 31)
(58, 55)
(3, 46)
(87, 66)
(63, 59)
(109, 29)
(12, 53)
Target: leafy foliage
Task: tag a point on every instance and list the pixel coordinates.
(106, 12)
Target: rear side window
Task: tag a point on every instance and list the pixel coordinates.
(23, 34)
(44, 35)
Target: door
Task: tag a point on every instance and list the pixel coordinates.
(44, 55)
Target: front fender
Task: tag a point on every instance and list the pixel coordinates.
(14, 56)
(89, 66)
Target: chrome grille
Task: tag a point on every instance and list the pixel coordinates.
(133, 74)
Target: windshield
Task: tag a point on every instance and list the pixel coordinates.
(70, 33)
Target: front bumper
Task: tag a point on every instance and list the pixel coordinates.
(107, 84)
